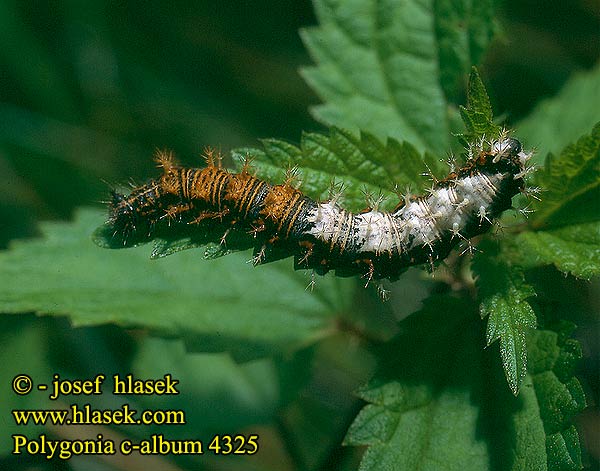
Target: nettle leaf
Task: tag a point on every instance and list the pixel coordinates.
(569, 180)
(553, 357)
(572, 249)
(560, 120)
(566, 224)
(463, 29)
(439, 400)
(360, 165)
(380, 65)
(170, 240)
(503, 293)
(421, 410)
(216, 307)
(478, 115)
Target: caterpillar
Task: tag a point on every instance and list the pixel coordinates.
(278, 220)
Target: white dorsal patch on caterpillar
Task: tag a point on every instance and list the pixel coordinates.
(242, 211)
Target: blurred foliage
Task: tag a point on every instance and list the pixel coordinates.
(89, 90)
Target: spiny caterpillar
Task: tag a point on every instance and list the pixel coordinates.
(278, 221)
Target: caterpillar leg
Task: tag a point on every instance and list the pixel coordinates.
(483, 216)
(209, 215)
(172, 212)
(382, 292)
(259, 256)
(469, 248)
(309, 246)
(224, 236)
(370, 272)
(256, 230)
(312, 283)
(431, 263)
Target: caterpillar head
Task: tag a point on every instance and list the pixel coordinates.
(506, 154)
(122, 216)
(507, 145)
(510, 149)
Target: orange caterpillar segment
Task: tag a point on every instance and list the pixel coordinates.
(282, 206)
(245, 192)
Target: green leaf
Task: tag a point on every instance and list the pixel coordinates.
(420, 411)
(477, 115)
(566, 225)
(313, 421)
(573, 249)
(568, 181)
(439, 401)
(360, 165)
(514, 428)
(552, 361)
(559, 120)
(218, 393)
(378, 70)
(215, 306)
(383, 67)
(463, 29)
(172, 239)
(503, 293)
